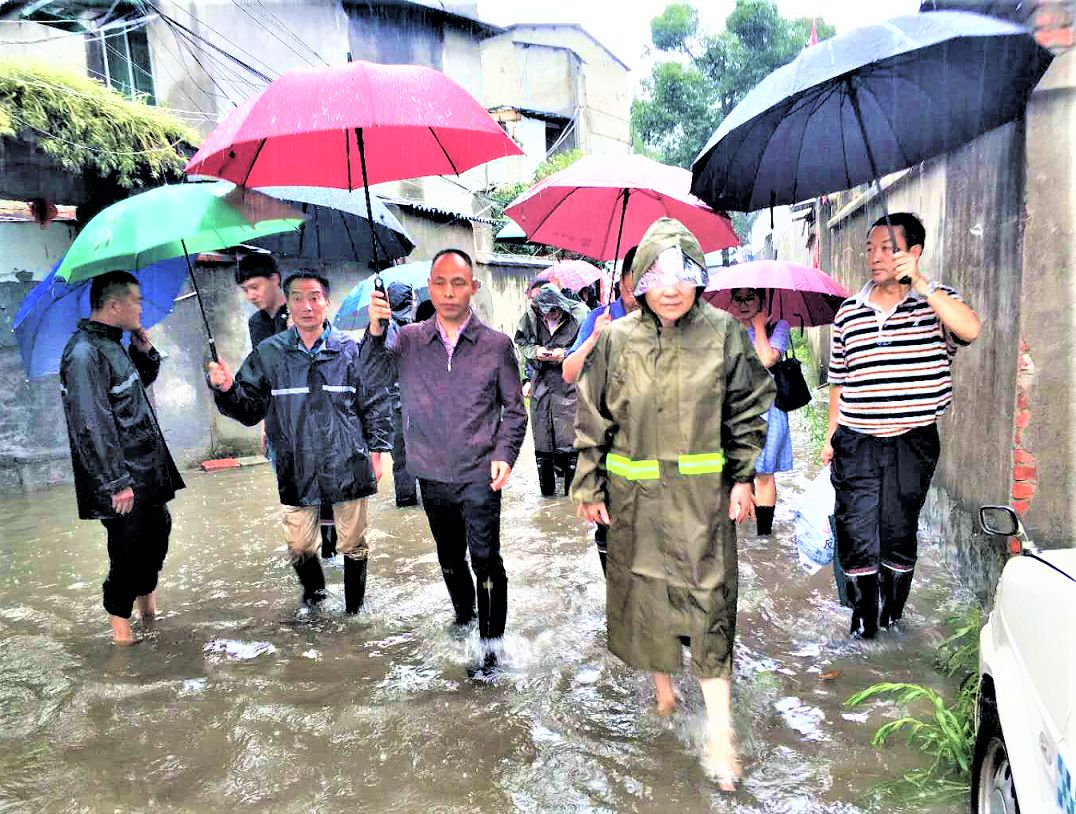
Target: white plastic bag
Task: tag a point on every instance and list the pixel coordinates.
(814, 535)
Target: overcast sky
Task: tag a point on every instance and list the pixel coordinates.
(623, 26)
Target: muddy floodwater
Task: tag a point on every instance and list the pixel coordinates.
(234, 703)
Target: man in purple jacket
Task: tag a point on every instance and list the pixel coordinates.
(464, 424)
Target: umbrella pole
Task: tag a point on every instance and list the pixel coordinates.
(619, 234)
(369, 205)
(854, 98)
(201, 305)
(379, 284)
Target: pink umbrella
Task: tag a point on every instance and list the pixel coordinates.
(800, 295)
(575, 275)
(601, 206)
(352, 125)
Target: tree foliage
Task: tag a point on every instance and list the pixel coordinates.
(85, 126)
(686, 97)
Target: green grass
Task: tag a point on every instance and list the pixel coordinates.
(942, 730)
(815, 414)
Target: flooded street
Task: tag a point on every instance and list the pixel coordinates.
(235, 704)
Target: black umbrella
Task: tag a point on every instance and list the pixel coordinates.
(866, 103)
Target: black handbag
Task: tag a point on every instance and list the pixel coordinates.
(792, 390)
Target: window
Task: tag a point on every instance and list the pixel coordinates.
(120, 59)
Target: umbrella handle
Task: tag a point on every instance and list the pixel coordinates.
(201, 305)
(379, 284)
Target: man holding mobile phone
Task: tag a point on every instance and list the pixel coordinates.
(892, 345)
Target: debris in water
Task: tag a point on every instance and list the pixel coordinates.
(238, 650)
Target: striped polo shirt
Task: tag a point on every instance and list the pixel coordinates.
(893, 367)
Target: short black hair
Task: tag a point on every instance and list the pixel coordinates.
(256, 265)
(629, 261)
(112, 285)
(915, 234)
(459, 252)
(306, 274)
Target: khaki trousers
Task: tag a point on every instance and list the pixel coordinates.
(303, 535)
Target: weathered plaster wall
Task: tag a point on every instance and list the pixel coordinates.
(1046, 309)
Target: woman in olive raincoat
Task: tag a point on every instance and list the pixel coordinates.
(669, 422)
(543, 337)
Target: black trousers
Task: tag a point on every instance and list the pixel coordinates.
(881, 485)
(465, 518)
(137, 546)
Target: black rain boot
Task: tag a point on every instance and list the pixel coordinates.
(354, 584)
(461, 592)
(328, 542)
(313, 580)
(863, 594)
(764, 520)
(896, 585)
(566, 463)
(601, 540)
(492, 590)
(547, 473)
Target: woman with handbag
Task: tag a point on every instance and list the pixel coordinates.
(771, 342)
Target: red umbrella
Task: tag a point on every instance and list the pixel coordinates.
(352, 125)
(800, 295)
(601, 206)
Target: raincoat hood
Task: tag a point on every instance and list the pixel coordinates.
(548, 298)
(401, 302)
(664, 234)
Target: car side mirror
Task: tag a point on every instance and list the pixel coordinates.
(999, 520)
(1002, 520)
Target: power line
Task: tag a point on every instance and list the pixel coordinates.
(272, 33)
(213, 45)
(291, 31)
(126, 25)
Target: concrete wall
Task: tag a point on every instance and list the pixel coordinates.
(972, 212)
(1046, 393)
(28, 252)
(34, 42)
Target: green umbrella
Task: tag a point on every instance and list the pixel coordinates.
(174, 221)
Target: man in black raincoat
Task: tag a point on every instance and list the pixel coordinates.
(402, 303)
(258, 278)
(543, 337)
(124, 475)
(328, 423)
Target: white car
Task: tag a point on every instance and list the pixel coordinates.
(1025, 746)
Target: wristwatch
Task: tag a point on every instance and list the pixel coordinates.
(932, 286)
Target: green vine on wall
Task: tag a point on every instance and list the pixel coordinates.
(85, 126)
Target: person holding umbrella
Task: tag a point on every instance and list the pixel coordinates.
(258, 278)
(596, 322)
(543, 336)
(770, 342)
(328, 421)
(464, 423)
(891, 349)
(670, 421)
(124, 474)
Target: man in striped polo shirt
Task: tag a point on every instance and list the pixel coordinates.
(891, 349)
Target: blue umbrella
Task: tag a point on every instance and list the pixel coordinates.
(354, 311)
(866, 103)
(50, 313)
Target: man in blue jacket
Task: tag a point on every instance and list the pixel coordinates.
(328, 423)
(464, 424)
(124, 474)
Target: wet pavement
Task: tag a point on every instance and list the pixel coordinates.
(235, 703)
